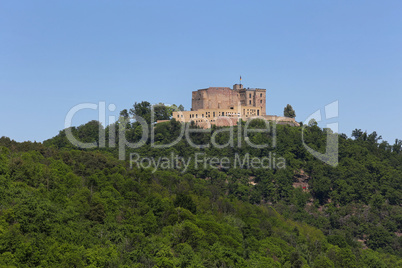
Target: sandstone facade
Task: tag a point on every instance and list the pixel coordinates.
(224, 106)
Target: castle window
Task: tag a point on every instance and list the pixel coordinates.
(260, 94)
(196, 116)
(250, 102)
(249, 95)
(260, 101)
(213, 114)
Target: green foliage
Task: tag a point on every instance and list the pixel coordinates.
(144, 110)
(185, 201)
(61, 206)
(289, 112)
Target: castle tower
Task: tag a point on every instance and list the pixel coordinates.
(237, 86)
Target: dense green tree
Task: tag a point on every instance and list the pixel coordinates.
(289, 112)
(62, 206)
(143, 110)
(185, 201)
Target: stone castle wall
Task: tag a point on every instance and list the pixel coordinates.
(227, 117)
(227, 98)
(223, 106)
(214, 98)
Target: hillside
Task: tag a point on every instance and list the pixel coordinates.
(66, 207)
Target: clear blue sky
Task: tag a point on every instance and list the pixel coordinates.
(57, 54)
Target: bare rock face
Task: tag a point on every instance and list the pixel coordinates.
(300, 180)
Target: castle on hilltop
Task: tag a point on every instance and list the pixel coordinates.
(224, 106)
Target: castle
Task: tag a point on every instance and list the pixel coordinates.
(224, 106)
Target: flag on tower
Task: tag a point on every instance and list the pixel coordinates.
(240, 78)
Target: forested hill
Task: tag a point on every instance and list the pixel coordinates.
(62, 206)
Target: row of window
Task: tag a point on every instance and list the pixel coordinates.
(249, 95)
(251, 112)
(249, 102)
(229, 114)
(203, 121)
(208, 114)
